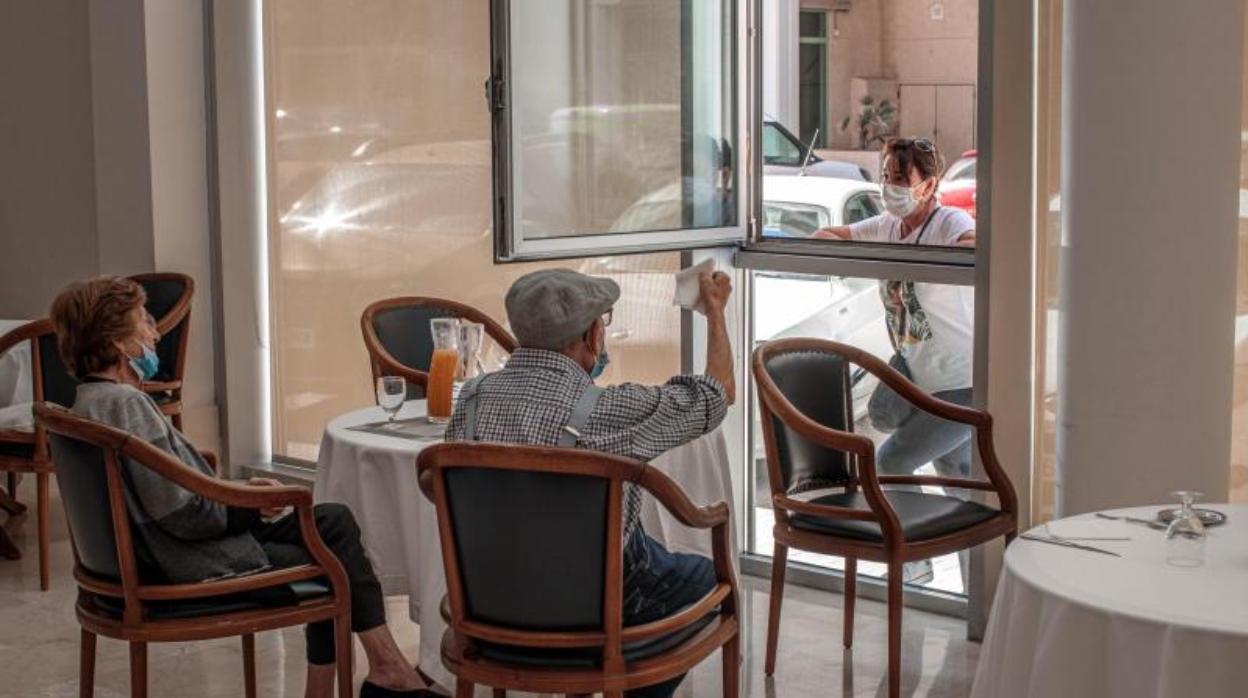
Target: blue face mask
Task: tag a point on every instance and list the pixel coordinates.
(599, 366)
(146, 365)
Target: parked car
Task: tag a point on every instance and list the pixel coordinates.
(795, 207)
(783, 153)
(957, 187)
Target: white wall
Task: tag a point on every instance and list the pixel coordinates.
(47, 180)
(102, 138)
(177, 130)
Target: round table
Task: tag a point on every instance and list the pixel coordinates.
(1074, 623)
(375, 475)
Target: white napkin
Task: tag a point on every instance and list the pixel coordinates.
(688, 291)
(1088, 528)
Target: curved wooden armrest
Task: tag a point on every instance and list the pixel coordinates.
(160, 386)
(16, 436)
(826, 511)
(231, 585)
(907, 389)
(809, 428)
(217, 490)
(24, 333)
(676, 621)
(937, 481)
(674, 499)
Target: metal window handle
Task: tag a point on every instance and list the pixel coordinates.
(494, 94)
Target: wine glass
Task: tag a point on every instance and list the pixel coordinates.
(1185, 536)
(391, 392)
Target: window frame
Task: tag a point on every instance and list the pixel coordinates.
(510, 246)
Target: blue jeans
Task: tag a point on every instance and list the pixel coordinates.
(657, 583)
(926, 438)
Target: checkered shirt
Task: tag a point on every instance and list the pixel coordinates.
(531, 399)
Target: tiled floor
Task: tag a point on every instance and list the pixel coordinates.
(39, 644)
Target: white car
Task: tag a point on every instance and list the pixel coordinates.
(795, 207)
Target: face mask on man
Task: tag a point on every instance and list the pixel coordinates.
(898, 200)
(146, 364)
(600, 365)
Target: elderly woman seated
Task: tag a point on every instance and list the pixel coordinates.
(107, 339)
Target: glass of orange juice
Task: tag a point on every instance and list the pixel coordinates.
(443, 369)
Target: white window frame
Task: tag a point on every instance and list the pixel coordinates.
(511, 246)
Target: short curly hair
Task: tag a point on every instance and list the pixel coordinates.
(90, 317)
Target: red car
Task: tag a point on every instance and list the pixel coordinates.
(957, 187)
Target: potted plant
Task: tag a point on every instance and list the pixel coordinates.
(874, 122)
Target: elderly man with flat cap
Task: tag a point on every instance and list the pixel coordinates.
(546, 396)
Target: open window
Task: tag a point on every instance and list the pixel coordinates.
(618, 126)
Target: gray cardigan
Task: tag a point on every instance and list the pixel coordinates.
(180, 536)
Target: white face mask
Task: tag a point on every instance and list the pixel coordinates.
(898, 201)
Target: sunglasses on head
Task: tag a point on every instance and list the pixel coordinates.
(920, 144)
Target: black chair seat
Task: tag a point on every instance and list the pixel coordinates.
(273, 597)
(923, 516)
(590, 657)
(14, 449)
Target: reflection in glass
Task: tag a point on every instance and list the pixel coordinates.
(621, 116)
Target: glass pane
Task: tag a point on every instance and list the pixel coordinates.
(906, 71)
(812, 24)
(622, 117)
(780, 147)
(934, 326)
(376, 195)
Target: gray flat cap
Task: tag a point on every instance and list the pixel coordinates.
(551, 308)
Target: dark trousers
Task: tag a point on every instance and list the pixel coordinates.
(283, 543)
(658, 583)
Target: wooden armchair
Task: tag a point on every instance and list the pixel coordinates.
(532, 547)
(807, 418)
(118, 599)
(27, 451)
(400, 343)
(169, 301)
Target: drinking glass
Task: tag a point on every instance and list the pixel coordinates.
(471, 335)
(391, 392)
(1185, 536)
(443, 368)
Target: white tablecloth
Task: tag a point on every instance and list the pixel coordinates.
(16, 391)
(1069, 623)
(375, 475)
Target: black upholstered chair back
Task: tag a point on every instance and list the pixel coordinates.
(399, 339)
(531, 547)
(818, 385)
(165, 293)
(404, 332)
(60, 387)
(82, 477)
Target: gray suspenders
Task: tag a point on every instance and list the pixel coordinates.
(567, 436)
(580, 415)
